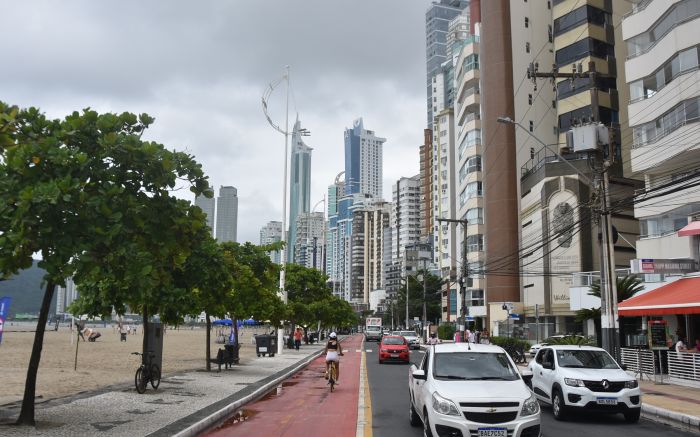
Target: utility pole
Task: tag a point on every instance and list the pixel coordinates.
(464, 281)
(608, 281)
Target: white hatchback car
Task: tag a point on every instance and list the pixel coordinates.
(584, 377)
(471, 390)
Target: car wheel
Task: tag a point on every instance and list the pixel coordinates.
(426, 425)
(413, 417)
(558, 407)
(632, 416)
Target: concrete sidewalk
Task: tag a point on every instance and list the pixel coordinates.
(674, 405)
(184, 404)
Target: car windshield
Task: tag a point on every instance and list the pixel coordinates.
(474, 366)
(373, 328)
(393, 340)
(585, 359)
(408, 333)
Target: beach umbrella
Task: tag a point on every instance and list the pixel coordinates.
(224, 322)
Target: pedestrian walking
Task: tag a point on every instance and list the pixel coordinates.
(297, 338)
(122, 332)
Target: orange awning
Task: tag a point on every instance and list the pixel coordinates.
(678, 297)
(693, 228)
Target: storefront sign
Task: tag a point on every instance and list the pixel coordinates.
(663, 266)
(657, 334)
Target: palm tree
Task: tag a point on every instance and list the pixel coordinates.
(627, 286)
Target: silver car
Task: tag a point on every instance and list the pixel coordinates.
(411, 337)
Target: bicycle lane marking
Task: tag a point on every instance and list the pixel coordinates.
(303, 404)
(364, 404)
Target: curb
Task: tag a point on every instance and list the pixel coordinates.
(193, 425)
(681, 421)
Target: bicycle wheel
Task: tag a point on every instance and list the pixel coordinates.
(155, 376)
(332, 376)
(140, 381)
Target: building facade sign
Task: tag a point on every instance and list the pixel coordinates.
(664, 266)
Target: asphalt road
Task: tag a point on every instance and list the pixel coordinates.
(389, 391)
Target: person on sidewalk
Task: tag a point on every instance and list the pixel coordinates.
(297, 338)
(333, 351)
(680, 345)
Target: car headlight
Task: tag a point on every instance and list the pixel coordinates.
(631, 384)
(530, 407)
(384, 350)
(444, 406)
(574, 382)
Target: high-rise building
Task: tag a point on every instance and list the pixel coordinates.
(662, 74)
(426, 185)
(65, 296)
(367, 250)
(437, 21)
(308, 246)
(299, 185)
(363, 161)
(208, 207)
(406, 215)
(227, 214)
(333, 242)
(272, 233)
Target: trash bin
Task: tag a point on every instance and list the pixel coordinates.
(265, 344)
(290, 342)
(313, 337)
(154, 341)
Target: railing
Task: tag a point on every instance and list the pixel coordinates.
(684, 368)
(639, 361)
(681, 368)
(586, 279)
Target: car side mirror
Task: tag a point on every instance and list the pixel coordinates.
(419, 374)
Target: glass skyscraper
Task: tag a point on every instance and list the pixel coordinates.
(299, 185)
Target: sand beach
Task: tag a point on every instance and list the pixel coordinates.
(102, 363)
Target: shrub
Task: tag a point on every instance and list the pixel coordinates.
(446, 331)
(510, 342)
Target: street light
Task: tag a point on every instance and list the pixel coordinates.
(266, 95)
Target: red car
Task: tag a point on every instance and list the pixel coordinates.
(393, 348)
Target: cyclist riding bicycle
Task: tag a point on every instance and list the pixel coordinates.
(332, 351)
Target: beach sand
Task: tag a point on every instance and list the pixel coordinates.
(106, 362)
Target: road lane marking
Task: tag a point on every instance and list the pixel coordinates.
(369, 350)
(358, 350)
(364, 404)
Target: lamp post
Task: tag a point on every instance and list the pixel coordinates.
(283, 255)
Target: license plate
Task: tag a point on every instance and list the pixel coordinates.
(606, 401)
(493, 432)
(394, 355)
(262, 349)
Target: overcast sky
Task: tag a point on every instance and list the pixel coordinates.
(200, 69)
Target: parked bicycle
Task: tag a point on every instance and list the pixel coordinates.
(147, 372)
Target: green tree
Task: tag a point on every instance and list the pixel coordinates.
(92, 199)
(627, 286)
(207, 278)
(254, 283)
(433, 297)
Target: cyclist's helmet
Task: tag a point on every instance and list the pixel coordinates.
(333, 335)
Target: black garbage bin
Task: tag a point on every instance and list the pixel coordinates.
(265, 344)
(290, 342)
(313, 337)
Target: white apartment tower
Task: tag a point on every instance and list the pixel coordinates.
(208, 207)
(664, 114)
(272, 233)
(227, 214)
(406, 216)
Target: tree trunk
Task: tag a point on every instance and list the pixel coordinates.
(208, 350)
(145, 335)
(26, 415)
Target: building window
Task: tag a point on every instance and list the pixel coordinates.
(680, 13)
(527, 47)
(685, 112)
(527, 22)
(550, 36)
(475, 243)
(529, 99)
(532, 126)
(475, 216)
(680, 63)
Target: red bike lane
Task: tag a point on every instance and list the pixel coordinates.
(303, 405)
